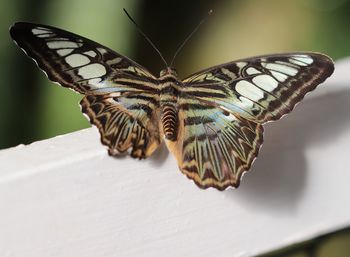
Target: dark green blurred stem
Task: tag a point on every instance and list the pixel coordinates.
(23, 94)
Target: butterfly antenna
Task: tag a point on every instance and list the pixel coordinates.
(189, 36)
(147, 38)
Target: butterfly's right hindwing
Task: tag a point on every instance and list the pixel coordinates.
(126, 122)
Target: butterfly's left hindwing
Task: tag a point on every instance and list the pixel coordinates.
(110, 81)
(214, 147)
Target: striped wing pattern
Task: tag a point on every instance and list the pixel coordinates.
(214, 147)
(232, 101)
(95, 70)
(212, 121)
(262, 88)
(123, 124)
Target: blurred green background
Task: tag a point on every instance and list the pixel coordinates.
(32, 108)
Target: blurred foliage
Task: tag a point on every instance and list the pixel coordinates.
(32, 108)
(335, 244)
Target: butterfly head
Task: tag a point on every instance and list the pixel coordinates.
(168, 71)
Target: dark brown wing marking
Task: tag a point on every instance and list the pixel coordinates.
(124, 124)
(214, 147)
(261, 88)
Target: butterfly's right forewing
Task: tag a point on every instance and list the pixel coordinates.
(79, 63)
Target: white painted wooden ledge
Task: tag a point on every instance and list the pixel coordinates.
(66, 197)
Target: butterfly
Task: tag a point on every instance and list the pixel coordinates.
(212, 121)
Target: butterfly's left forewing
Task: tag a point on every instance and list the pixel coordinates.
(223, 109)
(121, 96)
(262, 88)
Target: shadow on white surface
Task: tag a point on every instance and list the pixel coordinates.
(66, 197)
(279, 176)
(160, 156)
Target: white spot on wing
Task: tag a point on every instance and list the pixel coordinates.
(249, 91)
(241, 64)
(279, 76)
(76, 60)
(38, 31)
(251, 71)
(64, 52)
(90, 53)
(304, 58)
(114, 61)
(92, 71)
(95, 81)
(45, 35)
(282, 68)
(42, 28)
(265, 82)
(246, 103)
(62, 44)
(292, 60)
(228, 73)
(102, 50)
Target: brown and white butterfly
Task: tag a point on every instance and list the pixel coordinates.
(212, 121)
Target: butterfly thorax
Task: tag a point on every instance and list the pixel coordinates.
(170, 87)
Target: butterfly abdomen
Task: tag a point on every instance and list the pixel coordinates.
(169, 120)
(169, 93)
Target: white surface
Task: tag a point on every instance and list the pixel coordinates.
(65, 196)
